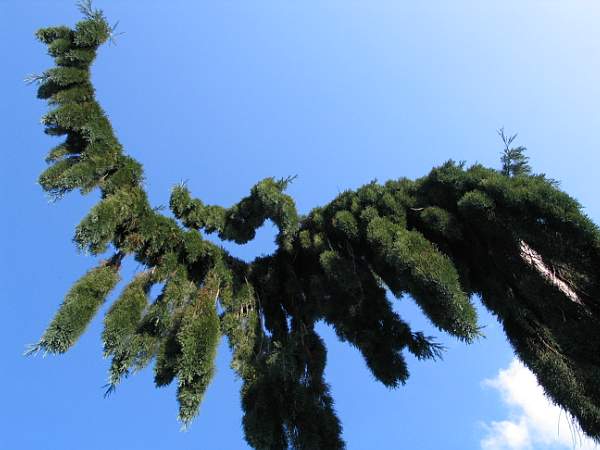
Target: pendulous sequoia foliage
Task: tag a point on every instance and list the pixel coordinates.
(510, 237)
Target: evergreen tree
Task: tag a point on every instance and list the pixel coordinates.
(510, 237)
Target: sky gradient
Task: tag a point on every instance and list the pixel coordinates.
(225, 93)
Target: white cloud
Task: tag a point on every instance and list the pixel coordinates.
(534, 423)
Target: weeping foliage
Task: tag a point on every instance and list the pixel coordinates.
(508, 236)
(125, 313)
(197, 338)
(79, 308)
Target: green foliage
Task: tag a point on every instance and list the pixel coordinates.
(51, 34)
(198, 338)
(428, 275)
(122, 319)
(241, 324)
(239, 223)
(79, 307)
(514, 161)
(111, 215)
(508, 236)
(177, 293)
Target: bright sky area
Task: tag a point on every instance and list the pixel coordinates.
(225, 93)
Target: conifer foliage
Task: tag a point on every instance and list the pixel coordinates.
(512, 238)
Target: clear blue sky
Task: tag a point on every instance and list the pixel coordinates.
(225, 93)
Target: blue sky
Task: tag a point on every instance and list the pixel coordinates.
(225, 93)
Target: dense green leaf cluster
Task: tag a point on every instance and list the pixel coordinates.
(511, 238)
(79, 307)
